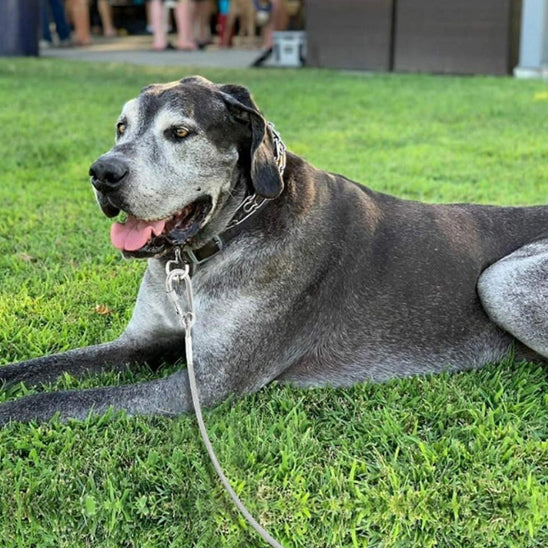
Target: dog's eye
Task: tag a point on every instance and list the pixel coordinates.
(180, 132)
(120, 128)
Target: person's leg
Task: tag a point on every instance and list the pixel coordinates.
(278, 21)
(80, 20)
(203, 13)
(184, 18)
(105, 12)
(228, 30)
(157, 23)
(44, 20)
(60, 18)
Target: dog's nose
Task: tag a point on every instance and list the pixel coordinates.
(107, 174)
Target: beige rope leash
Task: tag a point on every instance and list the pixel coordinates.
(178, 272)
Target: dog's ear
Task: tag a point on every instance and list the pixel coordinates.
(265, 175)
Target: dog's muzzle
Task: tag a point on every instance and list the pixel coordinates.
(108, 174)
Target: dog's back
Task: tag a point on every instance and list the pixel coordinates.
(398, 286)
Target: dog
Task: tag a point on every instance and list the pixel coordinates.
(299, 275)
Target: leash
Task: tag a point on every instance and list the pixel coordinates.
(178, 272)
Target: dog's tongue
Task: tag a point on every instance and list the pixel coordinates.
(134, 233)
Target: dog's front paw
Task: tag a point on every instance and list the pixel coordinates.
(36, 407)
(44, 406)
(37, 371)
(11, 374)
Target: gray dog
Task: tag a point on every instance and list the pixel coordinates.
(299, 275)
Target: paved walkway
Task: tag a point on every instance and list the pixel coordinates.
(137, 50)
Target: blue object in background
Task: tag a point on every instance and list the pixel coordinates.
(57, 8)
(224, 6)
(19, 27)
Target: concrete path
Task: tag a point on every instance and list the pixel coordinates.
(137, 50)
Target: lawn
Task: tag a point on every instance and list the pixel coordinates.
(450, 460)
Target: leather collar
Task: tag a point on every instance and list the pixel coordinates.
(250, 205)
(246, 209)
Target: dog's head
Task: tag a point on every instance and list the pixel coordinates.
(186, 154)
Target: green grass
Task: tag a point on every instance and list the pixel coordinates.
(448, 461)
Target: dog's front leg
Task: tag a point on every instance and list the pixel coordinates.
(168, 396)
(118, 355)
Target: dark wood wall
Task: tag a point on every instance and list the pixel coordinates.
(464, 36)
(441, 36)
(350, 34)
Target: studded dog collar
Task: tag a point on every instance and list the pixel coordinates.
(249, 206)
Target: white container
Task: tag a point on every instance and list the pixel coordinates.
(289, 48)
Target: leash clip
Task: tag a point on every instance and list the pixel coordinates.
(178, 272)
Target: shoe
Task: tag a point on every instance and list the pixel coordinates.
(262, 58)
(169, 46)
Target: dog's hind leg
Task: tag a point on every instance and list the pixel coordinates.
(118, 355)
(514, 293)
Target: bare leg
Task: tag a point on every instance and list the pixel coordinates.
(158, 27)
(250, 31)
(184, 17)
(105, 13)
(278, 21)
(80, 19)
(226, 38)
(203, 13)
